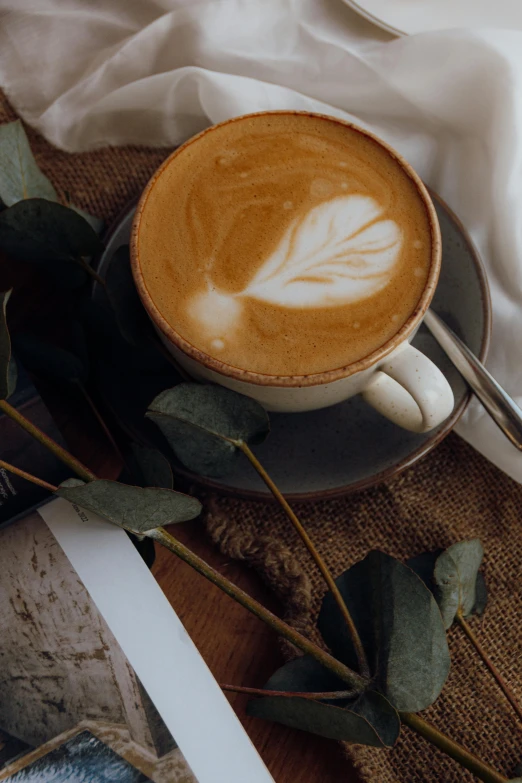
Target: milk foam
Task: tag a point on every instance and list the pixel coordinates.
(341, 251)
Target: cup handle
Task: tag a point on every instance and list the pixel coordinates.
(410, 391)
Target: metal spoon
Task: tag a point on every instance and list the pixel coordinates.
(502, 409)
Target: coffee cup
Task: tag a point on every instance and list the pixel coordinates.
(291, 257)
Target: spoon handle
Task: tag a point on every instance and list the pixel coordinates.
(500, 406)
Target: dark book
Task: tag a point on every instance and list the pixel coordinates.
(18, 496)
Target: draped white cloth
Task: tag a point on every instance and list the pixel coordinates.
(88, 73)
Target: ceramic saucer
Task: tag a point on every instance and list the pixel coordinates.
(404, 17)
(349, 446)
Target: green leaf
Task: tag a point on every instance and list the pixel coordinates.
(96, 223)
(49, 360)
(455, 577)
(352, 724)
(135, 508)
(5, 348)
(424, 566)
(131, 317)
(400, 627)
(12, 377)
(45, 232)
(152, 466)
(306, 674)
(20, 177)
(481, 595)
(204, 424)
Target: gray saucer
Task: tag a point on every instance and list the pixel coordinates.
(349, 446)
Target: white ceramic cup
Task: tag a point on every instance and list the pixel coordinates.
(397, 379)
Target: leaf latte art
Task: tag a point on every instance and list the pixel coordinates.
(284, 244)
(340, 252)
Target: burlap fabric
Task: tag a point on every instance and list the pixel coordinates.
(450, 495)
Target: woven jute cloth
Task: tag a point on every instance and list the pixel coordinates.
(452, 494)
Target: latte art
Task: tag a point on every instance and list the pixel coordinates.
(284, 244)
(340, 252)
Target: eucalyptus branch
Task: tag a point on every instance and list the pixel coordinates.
(283, 629)
(426, 730)
(28, 476)
(58, 451)
(84, 264)
(466, 759)
(323, 568)
(316, 696)
(504, 687)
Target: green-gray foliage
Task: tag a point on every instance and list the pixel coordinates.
(5, 349)
(400, 627)
(136, 509)
(152, 467)
(453, 577)
(367, 718)
(45, 232)
(204, 424)
(47, 359)
(20, 177)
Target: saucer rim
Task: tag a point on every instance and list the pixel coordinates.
(384, 475)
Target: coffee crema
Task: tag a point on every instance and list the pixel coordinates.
(284, 244)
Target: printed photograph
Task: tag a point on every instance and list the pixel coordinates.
(72, 709)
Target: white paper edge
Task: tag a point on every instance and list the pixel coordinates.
(174, 674)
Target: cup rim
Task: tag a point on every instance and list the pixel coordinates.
(290, 381)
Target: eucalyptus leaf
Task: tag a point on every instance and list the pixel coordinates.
(204, 424)
(5, 348)
(400, 627)
(96, 223)
(131, 317)
(481, 595)
(455, 577)
(424, 566)
(43, 231)
(46, 359)
(152, 466)
(12, 377)
(136, 509)
(307, 674)
(20, 177)
(350, 724)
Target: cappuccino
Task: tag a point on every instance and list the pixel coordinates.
(284, 244)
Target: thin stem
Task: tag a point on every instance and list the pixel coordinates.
(62, 454)
(316, 696)
(451, 748)
(27, 476)
(323, 568)
(101, 421)
(283, 629)
(90, 271)
(504, 687)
